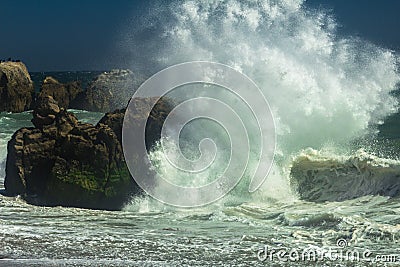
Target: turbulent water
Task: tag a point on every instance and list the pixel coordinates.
(335, 115)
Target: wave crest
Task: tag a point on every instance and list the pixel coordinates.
(322, 177)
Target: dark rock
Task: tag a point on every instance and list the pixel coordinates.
(64, 94)
(114, 120)
(154, 122)
(47, 105)
(65, 162)
(109, 91)
(16, 87)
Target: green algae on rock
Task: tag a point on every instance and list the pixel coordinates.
(65, 162)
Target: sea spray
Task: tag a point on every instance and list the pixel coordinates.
(320, 176)
(324, 89)
(148, 232)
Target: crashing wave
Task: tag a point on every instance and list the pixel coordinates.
(320, 177)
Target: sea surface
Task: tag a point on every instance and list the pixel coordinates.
(335, 105)
(231, 232)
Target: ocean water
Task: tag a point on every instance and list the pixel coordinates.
(335, 104)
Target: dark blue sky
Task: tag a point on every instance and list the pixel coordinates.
(64, 34)
(375, 20)
(51, 35)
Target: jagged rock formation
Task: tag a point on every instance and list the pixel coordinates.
(154, 125)
(109, 91)
(16, 87)
(64, 94)
(64, 162)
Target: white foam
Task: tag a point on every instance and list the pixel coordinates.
(323, 176)
(322, 88)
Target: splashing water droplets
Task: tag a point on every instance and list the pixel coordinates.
(322, 88)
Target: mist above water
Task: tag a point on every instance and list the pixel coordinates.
(323, 89)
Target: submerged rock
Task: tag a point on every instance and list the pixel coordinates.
(16, 87)
(64, 162)
(109, 91)
(64, 94)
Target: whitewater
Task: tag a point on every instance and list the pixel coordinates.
(335, 174)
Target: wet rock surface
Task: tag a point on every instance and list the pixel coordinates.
(62, 161)
(64, 94)
(16, 87)
(109, 91)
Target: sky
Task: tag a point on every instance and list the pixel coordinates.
(64, 35)
(375, 20)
